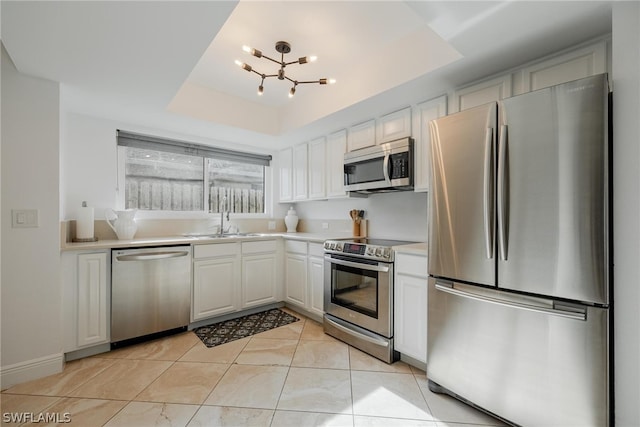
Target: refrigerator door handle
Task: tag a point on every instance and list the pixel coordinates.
(488, 192)
(569, 312)
(503, 197)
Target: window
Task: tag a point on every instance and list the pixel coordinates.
(168, 175)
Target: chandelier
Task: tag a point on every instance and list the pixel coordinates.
(282, 47)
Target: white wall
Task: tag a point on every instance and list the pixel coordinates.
(31, 308)
(626, 181)
(397, 216)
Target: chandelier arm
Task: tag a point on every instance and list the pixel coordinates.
(292, 62)
(309, 81)
(291, 80)
(281, 63)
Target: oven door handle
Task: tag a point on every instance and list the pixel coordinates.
(362, 266)
(377, 341)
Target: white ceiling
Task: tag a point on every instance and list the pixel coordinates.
(170, 65)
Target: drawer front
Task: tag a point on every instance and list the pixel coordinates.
(414, 265)
(261, 246)
(316, 249)
(295, 246)
(215, 250)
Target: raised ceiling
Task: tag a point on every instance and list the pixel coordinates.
(170, 65)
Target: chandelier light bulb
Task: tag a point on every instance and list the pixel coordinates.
(260, 89)
(292, 92)
(246, 48)
(312, 58)
(332, 81)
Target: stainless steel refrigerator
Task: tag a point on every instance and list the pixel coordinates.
(520, 297)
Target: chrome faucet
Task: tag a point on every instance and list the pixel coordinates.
(222, 207)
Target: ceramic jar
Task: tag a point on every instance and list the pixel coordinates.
(291, 220)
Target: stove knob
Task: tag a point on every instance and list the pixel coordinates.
(339, 247)
(378, 251)
(327, 245)
(387, 252)
(370, 251)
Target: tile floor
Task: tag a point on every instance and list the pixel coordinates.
(290, 376)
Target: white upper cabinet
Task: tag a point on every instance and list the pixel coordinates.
(394, 126)
(285, 165)
(481, 93)
(336, 147)
(423, 113)
(300, 171)
(577, 64)
(317, 168)
(362, 135)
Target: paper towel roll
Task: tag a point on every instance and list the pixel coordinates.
(84, 223)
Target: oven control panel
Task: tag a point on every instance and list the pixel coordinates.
(373, 252)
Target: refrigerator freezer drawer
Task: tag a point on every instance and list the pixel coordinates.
(528, 360)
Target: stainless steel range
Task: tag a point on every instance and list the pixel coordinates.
(358, 294)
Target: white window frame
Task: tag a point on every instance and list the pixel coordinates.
(202, 214)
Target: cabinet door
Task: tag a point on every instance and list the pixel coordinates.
(300, 172)
(259, 284)
(296, 279)
(215, 287)
(93, 304)
(410, 316)
(585, 62)
(316, 285)
(423, 114)
(362, 135)
(285, 163)
(394, 126)
(317, 168)
(481, 93)
(336, 147)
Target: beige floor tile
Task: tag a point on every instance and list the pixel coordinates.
(225, 353)
(82, 412)
(363, 362)
(262, 351)
(386, 394)
(167, 348)
(360, 421)
(291, 331)
(249, 386)
(321, 354)
(317, 390)
(314, 331)
(297, 419)
(225, 416)
(184, 382)
(122, 380)
(17, 404)
(153, 414)
(73, 376)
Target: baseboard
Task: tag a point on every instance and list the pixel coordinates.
(31, 370)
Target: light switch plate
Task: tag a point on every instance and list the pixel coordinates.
(24, 218)
(272, 225)
(325, 225)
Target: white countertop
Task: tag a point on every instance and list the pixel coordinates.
(413, 248)
(185, 240)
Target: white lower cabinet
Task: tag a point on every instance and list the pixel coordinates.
(410, 309)
(216, 280)
(315, 268)
(304, 275)
(86, 292)
(259, 273)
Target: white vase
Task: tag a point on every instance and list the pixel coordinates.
(291, 220)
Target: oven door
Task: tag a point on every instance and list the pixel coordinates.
(360, 291)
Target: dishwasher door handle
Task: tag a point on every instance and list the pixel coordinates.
(152, 256)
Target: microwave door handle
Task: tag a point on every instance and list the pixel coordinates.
(385, 168)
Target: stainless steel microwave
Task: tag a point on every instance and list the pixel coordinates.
(383, 168)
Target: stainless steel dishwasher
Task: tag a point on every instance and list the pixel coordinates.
(150, 291)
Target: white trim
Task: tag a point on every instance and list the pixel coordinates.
(31, 369)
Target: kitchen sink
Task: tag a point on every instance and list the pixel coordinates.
(218, 236)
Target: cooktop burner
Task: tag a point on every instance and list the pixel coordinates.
(368, 248)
